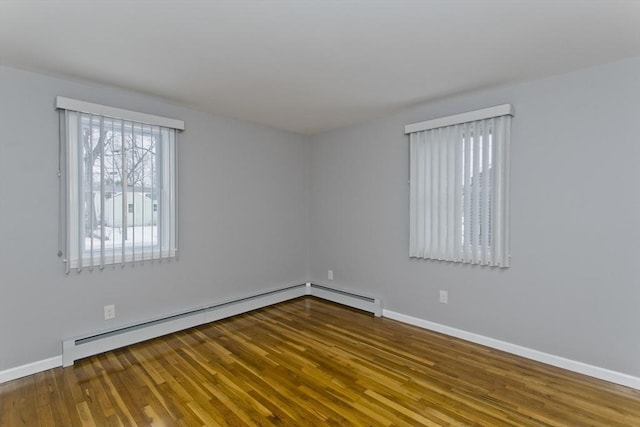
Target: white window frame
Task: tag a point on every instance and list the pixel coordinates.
(457, 211)
(72, 250)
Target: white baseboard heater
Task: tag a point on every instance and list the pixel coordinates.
(81, 347)
(362, 302)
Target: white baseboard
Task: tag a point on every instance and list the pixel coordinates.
(80, 347)
(550, 359)
(346, 297)
(30, 369)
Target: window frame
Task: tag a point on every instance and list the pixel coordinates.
(459, 183)
(71, 246)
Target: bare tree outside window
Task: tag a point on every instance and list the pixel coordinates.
(121, 182)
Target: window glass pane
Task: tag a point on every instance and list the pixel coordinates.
(471, 223)
(117, 180)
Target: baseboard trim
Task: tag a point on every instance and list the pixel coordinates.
(79, 347)
(30, 368)
(539, 356)
(346, 297)
(84, 346)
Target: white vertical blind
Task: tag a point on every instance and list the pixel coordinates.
(118, 187)
(459, 189)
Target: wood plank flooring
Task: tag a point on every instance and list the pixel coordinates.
(308, 362)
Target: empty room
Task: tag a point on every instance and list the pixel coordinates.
(319, 212)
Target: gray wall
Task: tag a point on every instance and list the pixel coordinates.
(254, 200)
(243, 220)
(574, 286)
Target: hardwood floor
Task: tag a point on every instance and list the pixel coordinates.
(311, 362)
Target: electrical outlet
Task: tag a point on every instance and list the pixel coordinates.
(330, 274)
(444, 297)
(109, 311)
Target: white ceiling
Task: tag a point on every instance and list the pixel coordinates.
(310, 66)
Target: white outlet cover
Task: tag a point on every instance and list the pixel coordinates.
(444, 297)
(109, 311)
(330, 274)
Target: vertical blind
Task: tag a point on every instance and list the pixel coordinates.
(118, 192)
(459, 187)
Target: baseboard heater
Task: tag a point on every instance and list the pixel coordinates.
(81, 347)
(362, 302)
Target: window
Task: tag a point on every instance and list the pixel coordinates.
(118, 186)
(459, 187)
